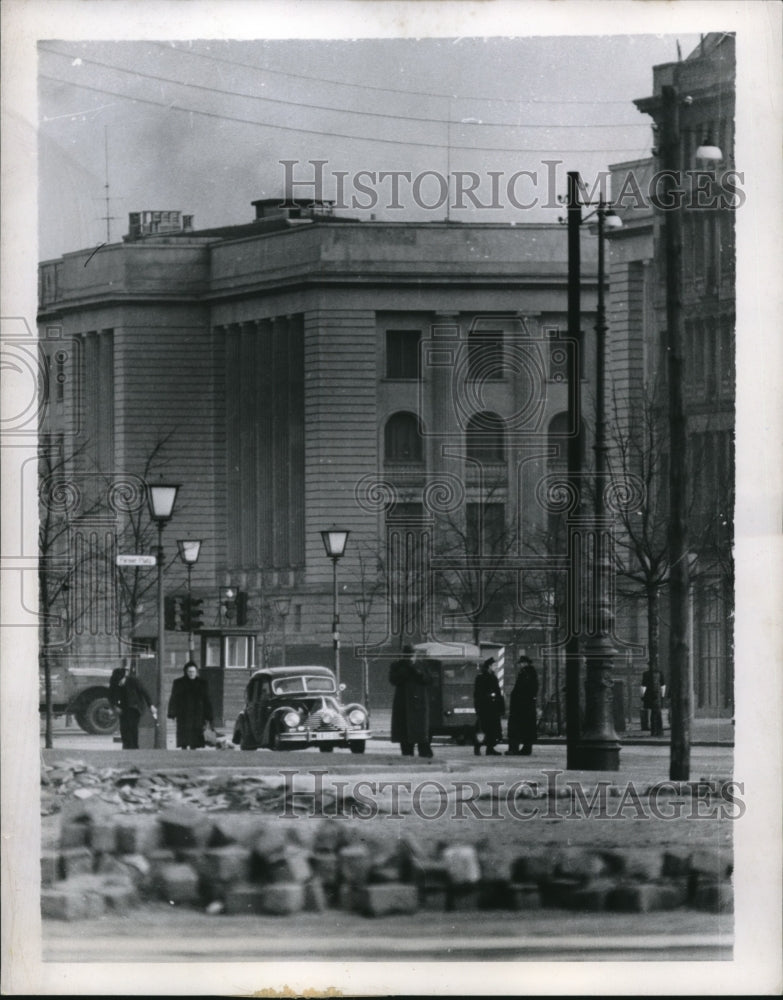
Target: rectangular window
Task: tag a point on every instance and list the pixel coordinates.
(237, 652)
(485, 528)
(212, 652)
(485, 355)
(402, 354)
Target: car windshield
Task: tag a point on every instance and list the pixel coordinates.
(298, 685)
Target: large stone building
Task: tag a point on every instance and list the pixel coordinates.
(403, 381)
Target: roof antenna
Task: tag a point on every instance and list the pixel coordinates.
(108, 218)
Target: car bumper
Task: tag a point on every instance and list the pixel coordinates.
(325, 736)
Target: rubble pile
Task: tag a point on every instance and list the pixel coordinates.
(105, 859)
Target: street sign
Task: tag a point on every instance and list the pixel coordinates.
(133, 559)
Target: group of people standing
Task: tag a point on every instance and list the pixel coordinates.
(189, 705)
(410, 723)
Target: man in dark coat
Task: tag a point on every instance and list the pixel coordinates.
(411, 705)
(653, 693)
(189, 704)
(130, 700)
(522, 712)
(490, 707)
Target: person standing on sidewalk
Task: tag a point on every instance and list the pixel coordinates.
(522, 710)
(190, 705)
(410, 721)
(490, 707)
(653, 693)
(130, 699)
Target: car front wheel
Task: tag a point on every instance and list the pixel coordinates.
(357, 746)
(326, 748)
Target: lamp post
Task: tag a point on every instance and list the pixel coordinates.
(282, 607)
(599, 748)
(334, 540)
(161, 498)
(363, 605)
(188, 553)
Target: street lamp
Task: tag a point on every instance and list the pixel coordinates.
(597, 747)
(334, 540)
(161, 498)
(363, 606)
(282, 607)
(188, 553)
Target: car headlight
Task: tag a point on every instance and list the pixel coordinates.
(290, 719)
(356, 717)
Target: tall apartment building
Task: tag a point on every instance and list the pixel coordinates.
(704, 88)
(403, 381)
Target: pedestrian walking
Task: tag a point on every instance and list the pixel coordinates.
(130, 700)
(190, 705)
(410, 723)
(522, 709)
(490, 708)
(653, 692)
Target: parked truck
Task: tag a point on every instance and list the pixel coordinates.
(82, 692)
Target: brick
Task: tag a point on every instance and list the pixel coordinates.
(74, 834)
(391, 897)
(386, 872)
(244, 897)
(524, 896)
(495, 863)
(316, 900)
(103, 837)
(644, 897)
(120, 897)
(68, 903)
(434, 899)
(593, 896)
(716, 897)
(290, 865)
(76, 861)
(326, 866)
(348, 897)
(283, 898)
(714, 864)
(138, 834)
(583, 865)
(462, 864)
(184, 826)
(558, 891)
(462, 897)
(331, 835)
(50, 867)
(676, 862)
(227, 864)
(177, 883)
(493, 894)
(644, 866)
(535, 866)
(355, 864)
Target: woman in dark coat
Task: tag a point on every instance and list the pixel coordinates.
(411, 705)
(189, 704)
(490, 707)
(522, 714)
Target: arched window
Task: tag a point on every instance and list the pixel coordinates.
(485, 438)
(403, 440)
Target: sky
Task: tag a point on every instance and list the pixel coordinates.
(202, 126)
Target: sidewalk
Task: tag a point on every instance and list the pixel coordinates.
(704, 732)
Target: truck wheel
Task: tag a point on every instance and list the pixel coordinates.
(97, 717)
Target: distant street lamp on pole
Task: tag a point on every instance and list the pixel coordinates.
(188, 553)
(282, 607)
(161, 498)
(334, 540)
(363, 606)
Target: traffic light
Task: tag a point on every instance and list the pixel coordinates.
(173, 613)
(242, 608)
(195, 614)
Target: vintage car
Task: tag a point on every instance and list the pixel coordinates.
(290, 708)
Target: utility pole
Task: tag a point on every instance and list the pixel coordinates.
(679, 651)
(574, 379)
